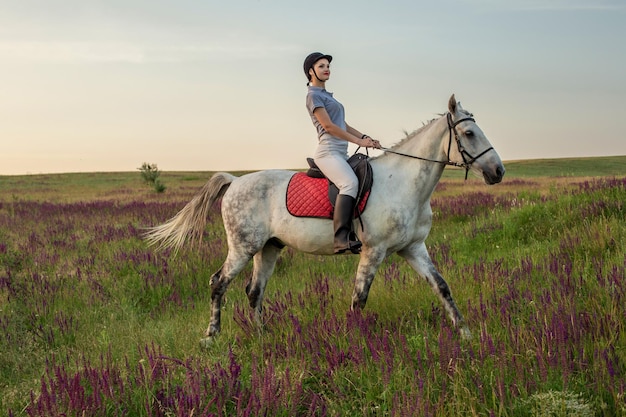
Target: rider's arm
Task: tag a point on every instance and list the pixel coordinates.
(350, 134)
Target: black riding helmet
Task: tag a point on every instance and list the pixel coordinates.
(310, 60)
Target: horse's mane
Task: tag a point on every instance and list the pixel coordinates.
(425, 125)
(408, 136)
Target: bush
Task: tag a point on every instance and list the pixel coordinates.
(150, 174)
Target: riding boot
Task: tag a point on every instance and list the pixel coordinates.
(345, 238)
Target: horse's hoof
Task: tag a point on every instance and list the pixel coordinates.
(207, 342)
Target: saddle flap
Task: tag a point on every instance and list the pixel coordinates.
(308, 197)
(360, 165)
(313, 195)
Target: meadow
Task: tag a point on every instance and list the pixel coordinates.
(93, 322)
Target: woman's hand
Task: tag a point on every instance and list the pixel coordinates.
(368, 142)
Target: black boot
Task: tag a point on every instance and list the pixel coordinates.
(345, 238)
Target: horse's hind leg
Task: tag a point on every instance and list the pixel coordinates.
(235, 262)
(417, 256)
(264, 262)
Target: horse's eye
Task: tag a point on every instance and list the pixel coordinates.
(469, 133)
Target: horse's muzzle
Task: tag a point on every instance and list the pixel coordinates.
(495, 175)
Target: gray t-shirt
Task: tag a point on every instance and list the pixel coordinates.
(319, 97)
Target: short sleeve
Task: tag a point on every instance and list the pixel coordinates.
(313, 101)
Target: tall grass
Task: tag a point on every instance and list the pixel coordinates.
(95, 323)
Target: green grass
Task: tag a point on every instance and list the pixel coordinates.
(561, 167)
(536, 265)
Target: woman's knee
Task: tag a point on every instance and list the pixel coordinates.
(341, 174)
(350, 188)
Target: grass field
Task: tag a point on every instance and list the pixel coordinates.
(94, 323)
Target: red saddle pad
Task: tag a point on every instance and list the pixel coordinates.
(308, 197)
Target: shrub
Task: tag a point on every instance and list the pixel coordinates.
(150, 174)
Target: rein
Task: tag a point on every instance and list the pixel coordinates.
(468, 159)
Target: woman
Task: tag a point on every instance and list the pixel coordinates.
(331, 156)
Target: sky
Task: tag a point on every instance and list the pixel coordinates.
(205, 85)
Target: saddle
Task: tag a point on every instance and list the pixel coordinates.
(311, 194)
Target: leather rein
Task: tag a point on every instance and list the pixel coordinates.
(468, 159)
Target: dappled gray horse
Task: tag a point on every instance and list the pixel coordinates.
(398, 217)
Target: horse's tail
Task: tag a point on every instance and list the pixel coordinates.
(191, 220)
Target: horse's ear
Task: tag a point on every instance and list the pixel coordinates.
(452, 104)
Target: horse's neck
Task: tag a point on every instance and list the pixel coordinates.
(422, 175)
(427, 142)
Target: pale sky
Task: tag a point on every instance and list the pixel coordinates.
(208, 85)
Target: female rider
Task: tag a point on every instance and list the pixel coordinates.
(331, 156)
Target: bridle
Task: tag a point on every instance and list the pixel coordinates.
(468, 159)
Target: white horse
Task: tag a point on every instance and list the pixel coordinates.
(397, 219)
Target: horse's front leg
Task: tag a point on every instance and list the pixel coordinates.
(417, 256)
(368, 265)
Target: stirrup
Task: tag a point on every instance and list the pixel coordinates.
(354, 245)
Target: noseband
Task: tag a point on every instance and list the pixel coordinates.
(468, 159)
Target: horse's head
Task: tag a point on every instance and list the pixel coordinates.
(471, 149)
